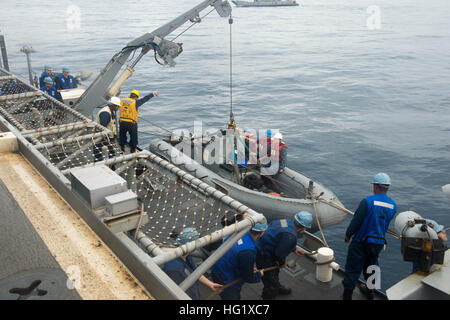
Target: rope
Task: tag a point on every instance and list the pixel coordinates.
(152, 134)
(325, 262)
(154, 124)
(292, 265)
(334, 205)
(313, 198)
(230, 21)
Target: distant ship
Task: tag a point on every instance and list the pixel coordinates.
(265, 3)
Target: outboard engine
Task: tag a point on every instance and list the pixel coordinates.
(420, 243)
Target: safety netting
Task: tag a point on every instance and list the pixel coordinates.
(65, 137)
(173, 203)
(69, 140)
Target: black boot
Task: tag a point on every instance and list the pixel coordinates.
(347, 294)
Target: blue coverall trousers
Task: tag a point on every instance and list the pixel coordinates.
(360, 256)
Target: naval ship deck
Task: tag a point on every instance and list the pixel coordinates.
(69, 232)
(44, 243)
(302, 280)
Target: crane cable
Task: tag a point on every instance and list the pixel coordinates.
(194, 22)
(232, 122)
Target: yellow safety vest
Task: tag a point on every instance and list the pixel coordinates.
(112, 124)
(128, 111)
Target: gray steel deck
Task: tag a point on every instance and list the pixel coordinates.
(302, 281)
(25, 261)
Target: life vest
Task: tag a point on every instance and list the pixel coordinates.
(185, 268)
(281, 145)
(128, 111)
(268, 242)
(226, 268)
(380, 211)
(274, 194)
(112, 124)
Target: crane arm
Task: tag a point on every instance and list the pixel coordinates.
(102, 88)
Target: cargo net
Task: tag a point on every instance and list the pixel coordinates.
(75, 151)
(68, 140)
(3, 73)
(63, 136)
(173, 204)
(10, 85)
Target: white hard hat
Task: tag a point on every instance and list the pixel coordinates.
(278, 135)
(115, 100)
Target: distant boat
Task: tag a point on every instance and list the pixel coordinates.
(265, 3)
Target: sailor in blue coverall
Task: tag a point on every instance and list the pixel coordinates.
(64, 80)
(279, 240)
(368, 228)
(238, 264)
(180, 268)
(50, 89)
(47, 73)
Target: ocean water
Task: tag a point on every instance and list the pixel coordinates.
(351, 94)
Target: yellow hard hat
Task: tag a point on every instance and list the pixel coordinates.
(136, 93)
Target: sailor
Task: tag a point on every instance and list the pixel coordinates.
(439, 228)
(273, 161)
(281, 153)
(273, 165)
(47, 73)
(107, 118)
(251, 145)
(279, 240)
(238, 264)
(368, 228)
(64, 80)
(441, 233)
(180, 268)
(50, 89)
(129, 118)
(264, 145)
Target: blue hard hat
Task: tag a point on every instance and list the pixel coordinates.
(48, 80)
(47, 67)
(436, 226)
(268, 132)
(246, 129)
(65, 69)
(260, 227)
(381, 178)
(187, 235)
(304, 218)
